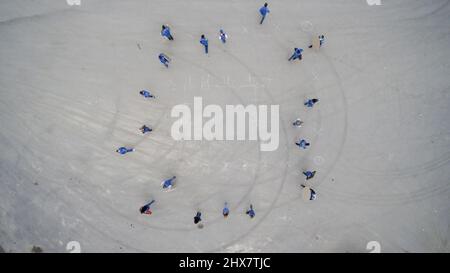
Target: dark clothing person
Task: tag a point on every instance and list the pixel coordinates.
(197, 217)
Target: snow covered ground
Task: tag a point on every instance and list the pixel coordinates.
(380, 135)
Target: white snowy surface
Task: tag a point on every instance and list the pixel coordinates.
(380, 135)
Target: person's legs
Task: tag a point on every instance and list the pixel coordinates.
(206, 49)
(165, 62)
(262, 19)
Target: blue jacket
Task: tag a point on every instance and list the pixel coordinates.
(251, 212)
(302, 144)
(145, 129)
(298, 52)
(123, 150)
(146, 94)
(204, 41)
(223, 36)
(168, 182)
(226, 211)
(166, 32)
(163, 58)
(264, 11)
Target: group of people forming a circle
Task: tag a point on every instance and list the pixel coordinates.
(302, 143)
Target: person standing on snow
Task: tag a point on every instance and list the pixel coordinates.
(311, 102)
(302, 144)
(251, 212)
(146, 208)
(165, 32)
(309, 174)
(124, 150)
(297, 54)
(146, 94)
(264, 10)
(297, 123)
(197, 217)
(223, 36)
(313, 194)
(321, 41)
(225, 211)
(167, 184)
(144, 129)
(204, 42)
(164, 59)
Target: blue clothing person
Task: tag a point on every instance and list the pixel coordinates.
(309, 174)
(204, 42)
(146, 94)
(146, 208)
(251, 212)
(144, 129)
(225, 211)
(297, 54)
(165, 32)
(197, 217)
(264, 10)
(167, 184)
(302, 144)
(124, 150)
(311, 102)
(164, 59)
(223, 36)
